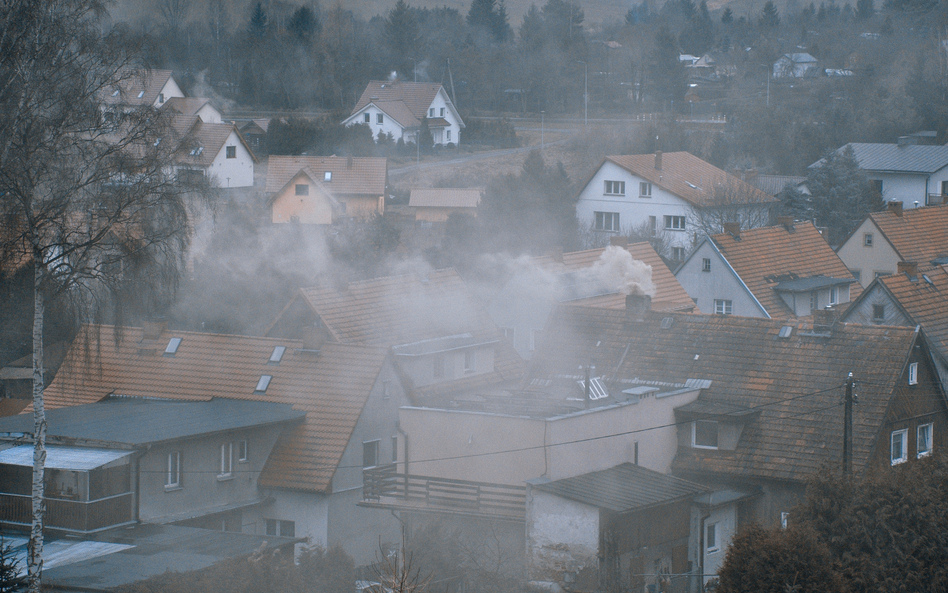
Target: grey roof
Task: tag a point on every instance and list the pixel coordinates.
(73, 458)
(138, 421)
(810, 283)
(623, 488)
(774, 184)
(724, 496)
(913, 158)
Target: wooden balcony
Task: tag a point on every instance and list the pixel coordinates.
(384, 487)
(68, 515)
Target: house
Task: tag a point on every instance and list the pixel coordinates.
(190, 106)
(896, 235)
(322, 190)
(676, 194)
(129, 459)
(310, 483)
(907, 172)
(213, 151)
(913, 297)
(144, 88)
(255, 131)
(777, 272)
(798, 65)
(435, 205)
(590, 278)
(396, 107)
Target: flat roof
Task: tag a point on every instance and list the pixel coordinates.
(74, 458)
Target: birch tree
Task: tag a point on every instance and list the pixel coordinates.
(86, 195)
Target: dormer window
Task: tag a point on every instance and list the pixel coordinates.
(277, 354)
(172, 348)
(704, 434)
(327, 176)
(367, 118)
(263, 384)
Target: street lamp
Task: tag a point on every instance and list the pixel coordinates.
(585, 93)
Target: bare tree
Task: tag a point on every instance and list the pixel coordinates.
(175, 12)
(731, 200)
(86, 193)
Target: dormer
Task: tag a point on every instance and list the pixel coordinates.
(711, 425)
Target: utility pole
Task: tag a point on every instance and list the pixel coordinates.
(848, 429)
(585, 93)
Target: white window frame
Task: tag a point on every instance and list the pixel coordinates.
(898, 436)
(694, 434)
(606, 221)
(448, 138)
(927, 438)
(243, 451)
(723, 307)
(227, 461)
(377, 444)
(302, 189)
(368, 117)
(706, 264)
(230, 152)
(913, 374)
(431, 112)
(675, 223)
(652, 226)
(784, 519)
(470, 361)
(867, 240)
(878, 311)
(834, 295)
(441, 112)
(711, 538)
(645, 189)
(379, 118)
(173, 477)
(613, 188)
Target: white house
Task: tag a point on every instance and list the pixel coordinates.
(216, 151)
(675, 193)
(397, 108)
(147, 87)
(914, 174)
(198, 106)
(796, 66)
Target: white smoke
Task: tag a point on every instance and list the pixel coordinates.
(617, 271)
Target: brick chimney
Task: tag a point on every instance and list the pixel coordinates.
(786, 222)
(895, 208)
(824, 319)
(733, 229)
(909, 268)
(619, 241)
(636, 306)
(658, 160)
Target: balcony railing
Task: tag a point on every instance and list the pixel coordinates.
(386, 488)
(69, 515)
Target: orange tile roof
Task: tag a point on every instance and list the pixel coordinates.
(925, 300)
(794, 385)
(365, 176)
(400, 309)
(445, 197)
(669, 293)
(920, 235)
(331, 387)
(416, 96)
(698, 182)
(138, 87)
(762, 254)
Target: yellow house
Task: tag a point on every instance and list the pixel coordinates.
(322, 190)
(436, 204)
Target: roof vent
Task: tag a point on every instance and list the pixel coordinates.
(172, 348)
(786, 222)
(263, 384)
(733, 229)
(909, 268)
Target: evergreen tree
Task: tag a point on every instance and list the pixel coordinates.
(864, 9)
(531, 28)
(403, 34)
(667, 71)
(10, 579)
(258, 22)
(501, 23)
(769, 17)
(304, 25)
(481, 14)
(727, 17)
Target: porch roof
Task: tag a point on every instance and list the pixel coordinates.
(71, 458)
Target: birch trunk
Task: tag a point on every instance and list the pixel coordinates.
(35, 558)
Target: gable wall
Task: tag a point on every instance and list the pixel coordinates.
(387, 126)
(562, 536)
(314, 208)
(441, 136)
(209, 114)
(863, 314)
(867, 261)
(235, 172)
(170, 90)
(720, 283)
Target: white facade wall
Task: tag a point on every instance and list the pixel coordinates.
(634, 211)
(308, 510)
(720, 283)
(171, 89)
(868, 261)
(562, 536)
(388, 125)
(209, 114)
(904, 187)
(724, 520)
(235, 172)
(453, 132)
(440, 107)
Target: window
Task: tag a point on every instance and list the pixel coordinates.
(678, 253)
(281, 528)
(230, 152)
(227, 461)
(535, 335)
(813, 301)
(867, 239)
(675, 223)
(470, 361)
(173, 479)
(442, 112)
(645, 189)
(834, 295)
(386, 389)
(723, 306)
(711, 537)
(327, 176)
(881, 274)
(898, 452)
(379, 118)
(302, 189)
(243, 451)
(652, 228)
(509, 333)
(368, 118)
(635, 453)
(172, 348)
(878, 312)
(438, 367)
(607, 221)
(784, 519)
(161, 97)
(614, 188)
(449, 135)
(704, 434)
(857, 274)
(277, 355)
(431, 112)
(263, 384)
(913, 374)
(706, 264)
(876, 184)
(370, 453)
(394, 449)
(923, 441)
(944, 188)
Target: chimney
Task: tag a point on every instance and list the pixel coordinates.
(895, 208)
(151, 330)
(658, 160)
(824, 320)
(619, 241)
(733, 229)
(909, 268)
(636, 306)
(786, 222)
(349, 162)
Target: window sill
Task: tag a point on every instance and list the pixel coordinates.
(712, 551)
(615, 195)
(899, 461)
(925, 454)
(225, 477)
(173, 488)
(244, 461)
(645, 197)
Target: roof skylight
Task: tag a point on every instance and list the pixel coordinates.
(172, 348)
(263, 383)
(277, 354)
(141, 94)
(327, 176)
(596, 389)
(785, 331)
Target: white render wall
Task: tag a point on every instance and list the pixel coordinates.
(235, 172)
(867, 261)
(725, 520)
(387, 126)
(633, 210)
(562, 536)
(720, 283)
(170, 90)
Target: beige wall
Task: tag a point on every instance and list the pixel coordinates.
(867, 261)
(315, 208)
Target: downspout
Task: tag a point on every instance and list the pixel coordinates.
(701, 551)
(404, 446)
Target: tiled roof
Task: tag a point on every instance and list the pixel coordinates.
(622, 489)
(764, 257)
(139, 87)
(920, 235)
(354, 176)
(446, 197)
(925, 300)
(204, 141)
(698, 182)
(400, 112)
(795, 384)
(669, 294)
(912, 158)
(400, 309)
(416, 96)
(331, 387)
(186, 105)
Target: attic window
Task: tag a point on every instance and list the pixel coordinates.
(158, 141)
(277, 354)
(785, 332)
(172, 348)
(263, 383)
(197, 151)
(141, 94)
(704, 434)
(596, 389)
(327, 176)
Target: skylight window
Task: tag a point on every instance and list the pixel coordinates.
(785, 331)
(141, 94)
(263, 383)
(197, 151)
(116, 93)
(172, 348)
(596, 389)
(277, 355)
(327, 176)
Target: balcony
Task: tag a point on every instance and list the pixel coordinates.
(383, 487)
(68, 515)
